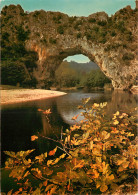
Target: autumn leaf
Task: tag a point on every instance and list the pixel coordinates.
(52, 152)
(125, 164)
(67, 139)
(40, 110)
(34, 137)
(53, 190)
(95, 105)
(94, 173)
(70, 188)
(75, 117)
(105, 134)
(45, 183)
(116, 122)
(117, 113)
(10, 192)
(103, 188)
(47, 111)
(114, 130)
(77, 163)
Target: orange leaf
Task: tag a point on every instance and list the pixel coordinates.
(75, 117)
(34, 137)
(10, 192)
(103, 188)
(52, 152)
(47, 111)
(45, 183)
(40, 110)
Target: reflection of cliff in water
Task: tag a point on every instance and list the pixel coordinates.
(121, 101)
(51, 124)
(117, 100)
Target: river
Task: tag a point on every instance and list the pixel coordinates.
(22, 120)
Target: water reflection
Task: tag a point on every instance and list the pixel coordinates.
(21, 121)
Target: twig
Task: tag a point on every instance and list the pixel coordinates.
(64, 150)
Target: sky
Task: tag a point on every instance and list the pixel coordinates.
(72, 8)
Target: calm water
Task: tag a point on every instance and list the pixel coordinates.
(21, 121)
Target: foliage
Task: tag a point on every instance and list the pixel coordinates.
(52, 41)
(128, 56)
(79, 35)
(60, 29)
(11, 75)
(98, 156)
(17, 63)
(95, 79)
(65, 76)
(22, 35)
(92, 20)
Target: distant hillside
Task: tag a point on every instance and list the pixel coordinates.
(81, 67)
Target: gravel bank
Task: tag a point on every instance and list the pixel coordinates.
(24, 95)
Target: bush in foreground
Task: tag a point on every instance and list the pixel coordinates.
(99, 156)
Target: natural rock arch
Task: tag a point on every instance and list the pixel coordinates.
(108, 41)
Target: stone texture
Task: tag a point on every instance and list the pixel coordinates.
(55, 36)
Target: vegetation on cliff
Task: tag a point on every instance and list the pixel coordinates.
(98, 155)
(17, 63)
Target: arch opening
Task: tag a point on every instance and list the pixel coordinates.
(78, 72)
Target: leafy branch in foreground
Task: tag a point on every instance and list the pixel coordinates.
(99, 156)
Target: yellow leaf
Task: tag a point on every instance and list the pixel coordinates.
(47, 111)
(96, 152)
(91, 145)
(120, 161)
(125, 164)
(67, 139)
(111, 177)
(95, 105)
(117, 113)
(103, 188)
(98, 184)
(105, 134)
(136, 164)
(62, 156)
(120, 169)
(49, 162)
(116, 122)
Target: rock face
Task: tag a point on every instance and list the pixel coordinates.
(108, 41)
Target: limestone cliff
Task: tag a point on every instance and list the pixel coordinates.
(108, 41)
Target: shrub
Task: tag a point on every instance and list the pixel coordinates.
(36, 14)
(113, 33)
(5, 36)
(60, 29)
(96, 29)
(92, 20)
(52, 41)
(128, 56)
(102, 23)
(98, 156)
(22, 35)
(72, 19)
(78, 35)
